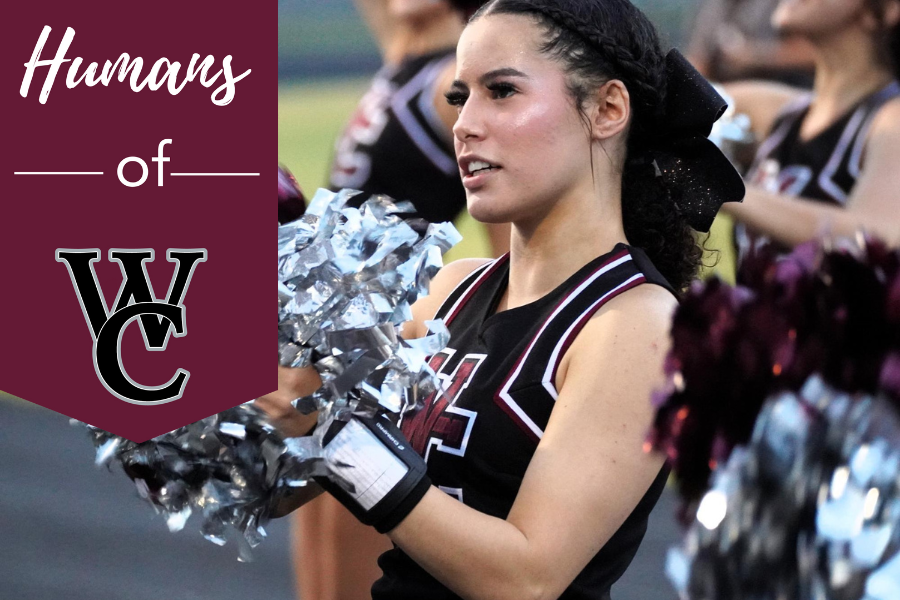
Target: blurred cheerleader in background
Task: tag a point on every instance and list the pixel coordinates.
(735, 40)
(829, 160)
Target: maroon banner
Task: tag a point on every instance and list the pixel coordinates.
(131, 130)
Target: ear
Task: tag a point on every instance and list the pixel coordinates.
(612, 111)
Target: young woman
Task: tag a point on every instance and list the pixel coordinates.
(828, 164)
(527, 477)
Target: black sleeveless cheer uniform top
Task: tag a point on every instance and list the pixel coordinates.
(396, 144)
(498, 373)
(824, 168)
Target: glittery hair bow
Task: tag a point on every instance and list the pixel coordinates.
(681, 151)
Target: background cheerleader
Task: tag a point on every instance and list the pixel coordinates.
(828, 162)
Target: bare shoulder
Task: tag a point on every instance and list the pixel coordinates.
(640, 317)
(648, 303)
(442, 286)
(629, 332)
(452, 273)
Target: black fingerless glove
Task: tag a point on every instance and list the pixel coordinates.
(375, 472)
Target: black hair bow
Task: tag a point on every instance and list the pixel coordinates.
(681, 151)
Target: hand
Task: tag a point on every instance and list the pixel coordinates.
(292, 384)
(375, 472)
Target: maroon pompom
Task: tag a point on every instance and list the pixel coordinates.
(832, 311)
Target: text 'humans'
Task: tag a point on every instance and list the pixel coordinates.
(163, 72)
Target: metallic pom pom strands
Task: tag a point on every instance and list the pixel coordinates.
(346, 280)
(228, 468)
(781, 420)
(733, 134)
(808, 510)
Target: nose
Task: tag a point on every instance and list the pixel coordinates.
(470, 124)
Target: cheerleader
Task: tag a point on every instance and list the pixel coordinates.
(527, 477)
(828, 164)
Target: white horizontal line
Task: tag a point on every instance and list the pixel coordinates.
(217, 174)
(58, 173)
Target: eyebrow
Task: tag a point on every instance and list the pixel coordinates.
(490, 76)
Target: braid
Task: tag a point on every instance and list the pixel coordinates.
(600, 40)
(630, 62)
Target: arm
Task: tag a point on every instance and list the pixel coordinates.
(567, 507)
(762, 101)
(872, 206)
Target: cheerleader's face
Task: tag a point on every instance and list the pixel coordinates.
(815, 19)
(520, 141)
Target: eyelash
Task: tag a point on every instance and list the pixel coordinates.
(499, 91)
(456, 98)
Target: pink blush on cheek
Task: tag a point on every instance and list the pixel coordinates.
(541, 133)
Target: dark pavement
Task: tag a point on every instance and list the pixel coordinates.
(70, 531)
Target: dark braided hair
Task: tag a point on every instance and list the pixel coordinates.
(597, 41)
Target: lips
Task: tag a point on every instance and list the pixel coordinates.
(475, 170)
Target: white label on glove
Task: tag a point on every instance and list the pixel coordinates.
(372, 469)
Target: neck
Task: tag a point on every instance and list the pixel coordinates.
(421, 37)
(848, 69)
(579, 229)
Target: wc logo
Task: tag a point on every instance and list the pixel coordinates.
(134, 301)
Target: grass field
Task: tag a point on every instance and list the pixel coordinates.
(311, 115)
